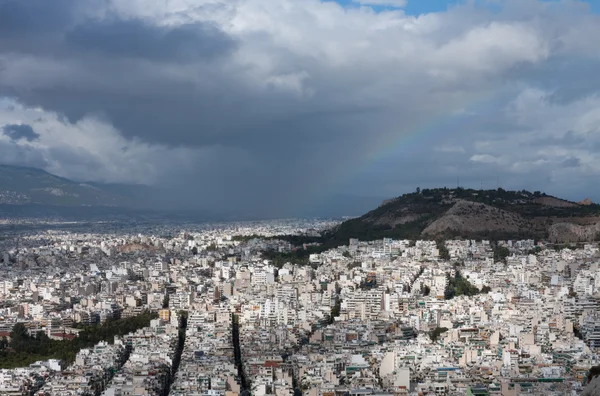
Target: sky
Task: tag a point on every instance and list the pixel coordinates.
(420, 7)
(280, 107)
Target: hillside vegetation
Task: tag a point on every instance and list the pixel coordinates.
(24, 349)
(475, 214)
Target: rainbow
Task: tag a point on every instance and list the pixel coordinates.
(442, 122)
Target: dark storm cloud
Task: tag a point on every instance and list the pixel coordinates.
(16, 132)
(140, 99)
(138, 39)
(144, 103)
(31, 17)
(210, 105)
(34, 26)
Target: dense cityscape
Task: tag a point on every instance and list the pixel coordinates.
(236, 308)
(299, 197)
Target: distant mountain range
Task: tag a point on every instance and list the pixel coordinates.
(429, 213)
(27, 186)
(32, 192)
(475, 214)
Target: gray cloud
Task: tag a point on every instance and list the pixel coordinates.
(571, 162)
(17, 132)
(35, 26)
(33, 17)
(135, 38)
(569, 139)
(14, 154)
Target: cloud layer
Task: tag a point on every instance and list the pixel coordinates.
(271, 106)
(16, 132)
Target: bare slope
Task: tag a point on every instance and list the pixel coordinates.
(468, 218)
(568, 232)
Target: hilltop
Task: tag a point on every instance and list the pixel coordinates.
(474, 214)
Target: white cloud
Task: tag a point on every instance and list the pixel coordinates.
(493, 47)
(535, 108)
(89, 149)
(485, 159)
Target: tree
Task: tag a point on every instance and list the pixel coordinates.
(194, 250)
(41, 335)
(425, 290)
(212, 248)
(444, 253)
(418, 190)
(346, 254)
(335, 311)
(165, 303)
(459, 286)
(435, 333)
(500, 253)
(28, 349)
(486, 289)
(18, 336)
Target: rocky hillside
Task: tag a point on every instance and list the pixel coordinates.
(26, 186)
(478, 214)
(570, 232)
(466, 217)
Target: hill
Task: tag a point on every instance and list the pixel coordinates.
(474, 214)
(26, 186)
